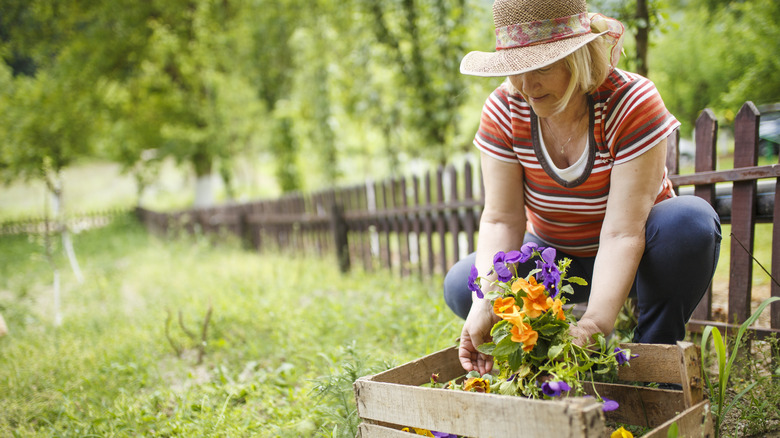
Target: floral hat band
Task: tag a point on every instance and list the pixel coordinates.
(542, 31)
(531, 34)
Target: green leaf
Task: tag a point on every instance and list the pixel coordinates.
(506, 347)
(516, 361)
(567, 289)
(549, 329)
(499, 329)
(673, 431)
(487, 348)
(577, 280)
(555, 351)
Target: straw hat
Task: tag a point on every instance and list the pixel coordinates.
(531, 34)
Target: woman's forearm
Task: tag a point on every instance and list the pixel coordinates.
(613, 275)
(494, 237)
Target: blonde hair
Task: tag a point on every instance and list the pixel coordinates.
(589, 67)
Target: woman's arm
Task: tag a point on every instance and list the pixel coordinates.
(633, 190)
(501, 228)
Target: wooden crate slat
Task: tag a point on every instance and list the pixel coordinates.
(693, 422)
(654, 363)
(444, 362)
(366, 430)
(394, 398)
(411, 406)
(646, 407)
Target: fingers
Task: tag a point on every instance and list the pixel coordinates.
(471, 359)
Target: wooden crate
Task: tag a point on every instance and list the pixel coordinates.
(388, 401)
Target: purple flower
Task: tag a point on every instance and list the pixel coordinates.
(550, 275)
(609, 405)
(554, 388)
(443, 434)
(526, 251)
(512, 257)
(621, 356)
(473, 284)
(499, 265)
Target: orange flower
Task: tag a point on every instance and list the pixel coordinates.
(531, 289)
(505, 305)
(476, 384)
(535, 306)
(525, 334)
(557, 308)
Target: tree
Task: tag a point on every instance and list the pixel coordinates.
(719, 58)
(641, 18)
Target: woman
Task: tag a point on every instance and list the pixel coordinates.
(572, 155)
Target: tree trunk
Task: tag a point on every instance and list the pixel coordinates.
(642, 36)
(55, 187)
(204, 184)
(49, 253)
(3, 327)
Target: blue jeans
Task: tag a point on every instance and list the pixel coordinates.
(682, 245)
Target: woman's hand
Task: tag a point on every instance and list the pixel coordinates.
(476, 331)
(583, 332)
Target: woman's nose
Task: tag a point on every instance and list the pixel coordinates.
(526, 82)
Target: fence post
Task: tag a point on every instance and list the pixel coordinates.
(338, 228)
(706, 159)
(743, 207)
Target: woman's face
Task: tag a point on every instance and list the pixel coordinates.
(543, 88)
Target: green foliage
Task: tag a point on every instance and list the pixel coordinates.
(277, 362)
(725, 363)
(719, 58)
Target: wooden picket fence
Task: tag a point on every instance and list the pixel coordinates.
(421, 225)
(74, 222)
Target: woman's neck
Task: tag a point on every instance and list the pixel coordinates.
(572, 114)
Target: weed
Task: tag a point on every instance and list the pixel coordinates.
(725, 363)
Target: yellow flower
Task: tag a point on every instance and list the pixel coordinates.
(423, 432)
(476, 384)
(525, 334)
(621, 433)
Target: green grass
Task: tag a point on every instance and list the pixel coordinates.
(286, 338)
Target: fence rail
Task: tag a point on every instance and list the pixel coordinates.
(74, 222)
(421, 225)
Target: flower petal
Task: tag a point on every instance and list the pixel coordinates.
(609, 405)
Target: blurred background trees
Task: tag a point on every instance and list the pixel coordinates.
(313, 93)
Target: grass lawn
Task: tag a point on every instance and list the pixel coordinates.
(286, 338)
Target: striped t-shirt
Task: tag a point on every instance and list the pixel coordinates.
(627, 118)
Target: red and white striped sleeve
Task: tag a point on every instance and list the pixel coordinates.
(637, 119)
(494, 136)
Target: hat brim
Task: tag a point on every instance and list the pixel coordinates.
(519, 60)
